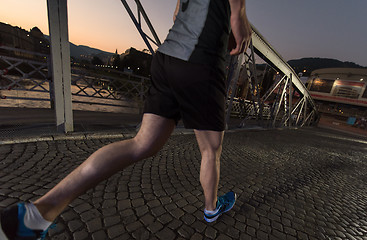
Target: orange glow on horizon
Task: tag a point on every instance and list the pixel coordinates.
(26, 15)
(104, 25)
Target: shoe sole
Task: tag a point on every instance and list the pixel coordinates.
(216, 217)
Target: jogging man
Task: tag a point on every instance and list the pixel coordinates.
(187, 83)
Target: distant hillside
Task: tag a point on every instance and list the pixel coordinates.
(77, 51)
(311, 64)
(34, 40)
(80, 51)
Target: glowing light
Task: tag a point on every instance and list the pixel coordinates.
(317, 82)
(361, 79)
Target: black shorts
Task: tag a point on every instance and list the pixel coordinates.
(193, 92)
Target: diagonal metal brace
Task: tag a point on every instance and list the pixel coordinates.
(137, 23)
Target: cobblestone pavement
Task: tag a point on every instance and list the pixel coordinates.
(292, 184)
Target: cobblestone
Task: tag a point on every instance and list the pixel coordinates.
(291, 184)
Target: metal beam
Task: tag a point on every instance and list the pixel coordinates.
(137, 23)
(270, 55)
(290, 93)
(60, 55)
(232, 88)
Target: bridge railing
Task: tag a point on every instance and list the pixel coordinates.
(25, 81)
(124, 91)
(23, 76)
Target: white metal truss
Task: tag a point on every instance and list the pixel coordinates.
(233, 74)
(138, 24)
(291, 86)
(275, 108)
(280, 112)
(286, 103)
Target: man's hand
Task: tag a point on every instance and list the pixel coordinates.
(241, 28)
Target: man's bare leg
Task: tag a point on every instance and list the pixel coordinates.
(210, 144)
(105, 162)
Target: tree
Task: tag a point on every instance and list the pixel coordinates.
(116, 60)
(137, 61)
(96, 61)
(36, 32)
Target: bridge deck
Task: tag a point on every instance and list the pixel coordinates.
(292, 184)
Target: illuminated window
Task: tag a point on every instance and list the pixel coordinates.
(322, 85)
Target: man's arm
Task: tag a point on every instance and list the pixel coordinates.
(176, 11)
(241, 27)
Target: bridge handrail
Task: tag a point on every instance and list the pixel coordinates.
(24, 51)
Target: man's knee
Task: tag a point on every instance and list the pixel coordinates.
(144, 148)
(211, 152)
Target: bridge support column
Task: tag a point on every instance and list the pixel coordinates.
(60, 54)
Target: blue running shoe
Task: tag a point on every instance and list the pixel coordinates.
(12, 225)
(224, 204)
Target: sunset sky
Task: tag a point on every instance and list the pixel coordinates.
(296, 29)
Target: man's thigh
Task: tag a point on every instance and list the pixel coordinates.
(154, 132)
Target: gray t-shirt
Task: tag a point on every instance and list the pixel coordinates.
(200, 32)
